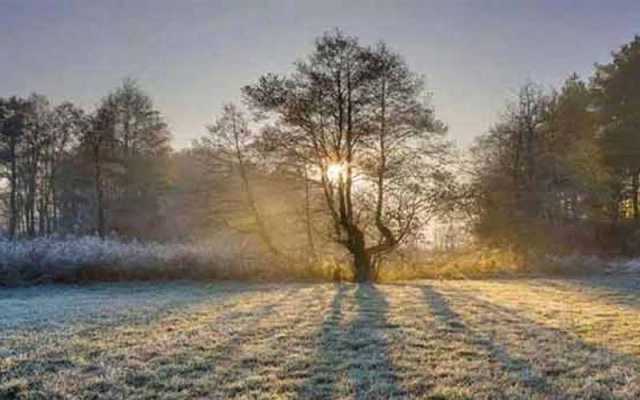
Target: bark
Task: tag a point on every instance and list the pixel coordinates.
(13, 209)
(634, 195)
(307, 210)
(54, 209)
(389, 241)
(362, 263)
(100, 220)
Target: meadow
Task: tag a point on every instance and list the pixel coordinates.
(468, 339)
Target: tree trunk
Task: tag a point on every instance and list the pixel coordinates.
(364, 271)
(634, 195)
(362, 263)
(54, 209)
(99, 195)
(13, 209)
(307, 210)
(263, 233)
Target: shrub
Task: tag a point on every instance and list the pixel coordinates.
(91, 258)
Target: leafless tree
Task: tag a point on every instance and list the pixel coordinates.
(358, 116)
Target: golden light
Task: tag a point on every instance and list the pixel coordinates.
(335, 171)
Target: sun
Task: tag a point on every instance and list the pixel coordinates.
(335, 171)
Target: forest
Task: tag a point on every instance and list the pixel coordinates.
(345, 154)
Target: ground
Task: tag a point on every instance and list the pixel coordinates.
(526, 339)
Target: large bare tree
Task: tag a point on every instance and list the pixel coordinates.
(358, 118)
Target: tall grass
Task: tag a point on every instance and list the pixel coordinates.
(80, 259)
(83, 259)
(483, 263)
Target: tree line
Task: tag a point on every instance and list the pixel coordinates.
(343, 154)
(69, 171)
(560, 170)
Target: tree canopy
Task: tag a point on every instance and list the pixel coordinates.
(357, 117)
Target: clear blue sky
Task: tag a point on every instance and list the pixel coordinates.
(193, 56)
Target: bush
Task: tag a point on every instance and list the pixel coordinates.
(82, 259)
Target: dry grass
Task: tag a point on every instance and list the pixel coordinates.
(491, 263)
(527, 339)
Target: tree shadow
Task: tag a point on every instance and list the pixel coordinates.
(610, 290)
(218, 361)
(372, 371)
(191, 353)
(354, 360)
(547, 355)
(453, 322)
(232, 361)
(321, 380)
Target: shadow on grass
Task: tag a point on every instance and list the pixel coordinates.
(353, 360)
(611, 290)
(548, 354)
(321, 382)
(190, 353)
(454, 323)
(247, 363)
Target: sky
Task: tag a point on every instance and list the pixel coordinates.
(194, 56)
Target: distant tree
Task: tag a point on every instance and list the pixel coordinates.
(129, 148)
(508, 177)
(356, 115)
(191, 197)
(575, 178)
(229, 146)
(13, 120)
(540, 169)
(59, 164)
(36, 140)
(617, 89)
(67, 127)
(95, 142)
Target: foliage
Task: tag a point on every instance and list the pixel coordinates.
(355, 116)
(72, 172)
(616, 89)
(556, 173)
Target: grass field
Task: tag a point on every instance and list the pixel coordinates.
(523, 339)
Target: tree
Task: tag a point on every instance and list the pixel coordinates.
(68, 125)
(45, 151)
(508, 175)
(540, 170)
(229, 143)
(356, 115)
(95, 142)
(617, 89)
(129, 148)
(13, 114)
(574, 172)
(36, 140)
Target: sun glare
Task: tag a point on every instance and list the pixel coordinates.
(335, 171)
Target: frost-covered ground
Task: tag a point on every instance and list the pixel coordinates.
(537, 338)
